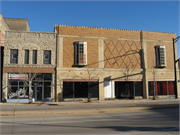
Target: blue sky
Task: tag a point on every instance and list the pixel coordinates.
(160, 16)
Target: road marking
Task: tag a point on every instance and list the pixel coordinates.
(160, 130)
(61, 122)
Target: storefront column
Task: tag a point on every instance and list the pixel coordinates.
(144, 66)
(59, 80)
(59, 89)
(101, 88)
(101, 53)
(113, 89)
(59, 51)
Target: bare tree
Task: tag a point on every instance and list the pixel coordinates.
(87, 74)
(28, 82)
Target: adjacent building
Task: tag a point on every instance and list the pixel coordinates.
(8, 24)
(76, 62)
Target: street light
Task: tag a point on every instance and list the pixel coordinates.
(175, 83)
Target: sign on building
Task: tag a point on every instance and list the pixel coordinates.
(18, 76)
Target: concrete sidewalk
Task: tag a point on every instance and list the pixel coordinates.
(62, 108)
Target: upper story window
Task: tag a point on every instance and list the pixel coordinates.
(160, 56)
(47, 57)
(34, 60)
(80, 53)
(14, 56)
(26, 59)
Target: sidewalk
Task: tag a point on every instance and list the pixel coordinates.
(107, 106)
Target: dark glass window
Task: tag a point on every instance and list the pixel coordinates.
(68, 89)
(26, 59)
(80, 89)
(47, 57)
(14, 56)
(47, 92)
(138, 89)
(34, 56)
(47, 76)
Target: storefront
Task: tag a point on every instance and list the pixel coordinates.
(161, 88)
(18, 87)
(128, 89)
(74, 89)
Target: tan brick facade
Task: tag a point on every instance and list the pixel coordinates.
(68, 51)
(127, 55)
(113, 56)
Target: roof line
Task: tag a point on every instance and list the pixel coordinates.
(110, 28)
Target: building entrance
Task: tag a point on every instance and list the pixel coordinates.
(39, 92)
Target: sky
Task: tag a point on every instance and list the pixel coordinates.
(161, 16)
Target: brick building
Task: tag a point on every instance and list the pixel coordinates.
(117, 63)
(75, 62)
(8, 24)
(30, 55)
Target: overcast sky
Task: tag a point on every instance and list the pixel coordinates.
(162, 16)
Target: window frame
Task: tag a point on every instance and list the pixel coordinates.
(80, 55)
(13, 60)
(34, 57)
(26, 62)
(47, 60)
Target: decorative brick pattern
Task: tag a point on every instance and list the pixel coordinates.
(122, 54)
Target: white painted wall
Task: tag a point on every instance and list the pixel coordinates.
(109, 88)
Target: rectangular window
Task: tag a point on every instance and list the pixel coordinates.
(160, 56)
(14, 56)
(34, 57)
(47, 57)
(80, 53)
(26, 59)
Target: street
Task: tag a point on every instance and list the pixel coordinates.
(155, 121)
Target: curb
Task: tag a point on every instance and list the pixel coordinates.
(83, 111)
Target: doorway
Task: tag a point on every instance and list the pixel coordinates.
(39, 93)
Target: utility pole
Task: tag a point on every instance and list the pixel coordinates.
(175, 82)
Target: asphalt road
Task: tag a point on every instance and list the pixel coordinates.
(156, 122)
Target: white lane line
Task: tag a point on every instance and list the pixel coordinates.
(97, 120)
(160, 130)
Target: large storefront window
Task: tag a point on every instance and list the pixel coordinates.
(162, 88)
(80, 89)
(18, 86)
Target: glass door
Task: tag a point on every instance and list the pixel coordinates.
(39, 93)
